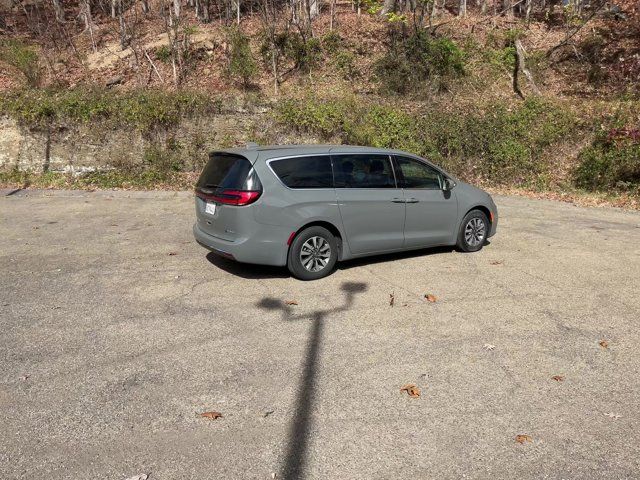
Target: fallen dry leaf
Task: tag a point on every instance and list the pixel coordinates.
(558, 378)
(392, 299)
(290, 302)
(523, 439)
(615, 416)
(411, 389)
(430, 298)
(142, 476)
(171, 254)
(211, 415)
(603, 344)
(496, 262)
(488, 346)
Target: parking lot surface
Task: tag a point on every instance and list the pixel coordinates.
(117, 330)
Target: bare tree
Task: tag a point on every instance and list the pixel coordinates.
(59, 11)
(462, 8)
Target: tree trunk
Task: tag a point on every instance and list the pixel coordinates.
(333, 14)
(388, 6)
(59, 11)
(124, 42)
(462, 8)
(314, 8)
(507, 6)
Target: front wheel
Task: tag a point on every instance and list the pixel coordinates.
(313, 254)
(473, 231)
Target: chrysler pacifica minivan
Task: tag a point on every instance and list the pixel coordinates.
(308, 207)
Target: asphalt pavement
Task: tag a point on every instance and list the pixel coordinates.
(117, 330)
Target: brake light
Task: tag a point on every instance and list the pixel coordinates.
(231, 197)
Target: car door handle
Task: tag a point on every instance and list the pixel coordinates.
(398, 200)
(411, 200)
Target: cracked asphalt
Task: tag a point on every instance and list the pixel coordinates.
(117, 330)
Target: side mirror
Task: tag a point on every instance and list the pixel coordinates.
(448, 184)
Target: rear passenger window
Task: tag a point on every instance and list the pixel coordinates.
(418, 175)
(363, 171)
(304, 172)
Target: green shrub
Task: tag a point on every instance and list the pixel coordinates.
(346, 66)
(22, 57)
(141, 109)
(306, 54)
(499, 143)
(164, 159)
(163, 53)
(420, 58)
(242, 66)
(332, 42)
(612, 161)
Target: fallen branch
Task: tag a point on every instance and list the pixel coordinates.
(146, 54)
(521, 66)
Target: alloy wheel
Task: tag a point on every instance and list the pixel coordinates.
(315, 254)
(474, 232)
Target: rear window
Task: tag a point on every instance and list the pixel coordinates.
(228, 171)
(304, 172)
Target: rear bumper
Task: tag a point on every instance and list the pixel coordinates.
(266, 249)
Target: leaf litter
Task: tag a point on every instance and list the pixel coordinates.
(522, 439)
(412, 390)
(211, 415)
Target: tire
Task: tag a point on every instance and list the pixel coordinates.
(473, 232)
(316, 261)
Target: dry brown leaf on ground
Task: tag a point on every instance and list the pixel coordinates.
(392, 299)
(558, 378)
(523, 439)
(411, 389)
(430, 297)
(488, 346)
(171, 254)
(290, 302)
(211, 415)
(142, 476)
(496, 262)
(603, 344)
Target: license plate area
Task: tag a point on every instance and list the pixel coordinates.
(210, 208)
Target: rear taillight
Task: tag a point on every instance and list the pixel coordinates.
(231, 197)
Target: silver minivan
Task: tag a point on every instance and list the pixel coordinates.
(309, 206)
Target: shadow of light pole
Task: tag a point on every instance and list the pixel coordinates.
(299, 431)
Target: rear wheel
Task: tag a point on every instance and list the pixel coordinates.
(473, 231)
(312, 254)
